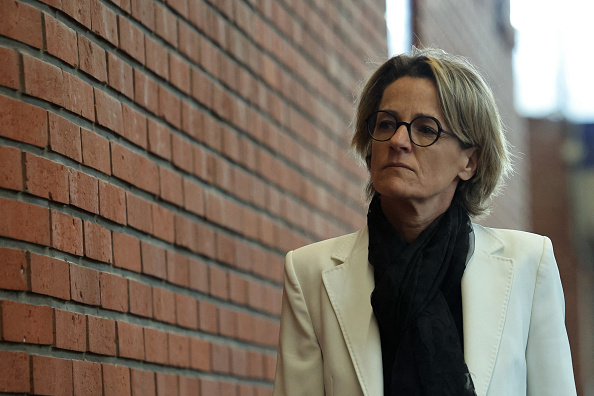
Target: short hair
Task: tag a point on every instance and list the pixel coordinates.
(469, 108)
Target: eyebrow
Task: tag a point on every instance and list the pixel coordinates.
(395, 114)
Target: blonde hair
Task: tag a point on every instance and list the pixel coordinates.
(468, 107)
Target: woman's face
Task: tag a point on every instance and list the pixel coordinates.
(402, 171)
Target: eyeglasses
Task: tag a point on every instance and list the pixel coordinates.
(423, 131)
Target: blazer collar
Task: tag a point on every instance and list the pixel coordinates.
(486, 285)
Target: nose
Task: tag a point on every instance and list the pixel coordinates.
(401, 140)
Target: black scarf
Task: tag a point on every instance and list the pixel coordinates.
(418, 304)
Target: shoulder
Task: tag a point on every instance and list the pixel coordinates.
(512, 243)
(325, 254)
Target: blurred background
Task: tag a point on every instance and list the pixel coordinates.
(537, 61)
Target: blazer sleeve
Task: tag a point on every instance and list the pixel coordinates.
(548, 357)
(299, 369)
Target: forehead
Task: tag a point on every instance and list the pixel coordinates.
(411, 96)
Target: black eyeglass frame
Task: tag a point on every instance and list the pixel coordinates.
(408, 128)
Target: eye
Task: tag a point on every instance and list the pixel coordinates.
(425, 126)
(385, 125)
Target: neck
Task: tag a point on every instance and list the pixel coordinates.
(410, 218)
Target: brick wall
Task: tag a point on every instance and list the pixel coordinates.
(480, 30)
(157, 160)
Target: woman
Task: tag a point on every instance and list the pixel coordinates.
(422, 301)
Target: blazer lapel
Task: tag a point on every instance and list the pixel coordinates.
(486, 287)
(349, 286)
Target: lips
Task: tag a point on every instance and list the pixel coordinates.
(398, 165)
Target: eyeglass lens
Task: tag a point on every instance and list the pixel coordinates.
(423, 130)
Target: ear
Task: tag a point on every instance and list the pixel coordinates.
(470, 162)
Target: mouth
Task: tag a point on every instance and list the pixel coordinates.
(398, 165)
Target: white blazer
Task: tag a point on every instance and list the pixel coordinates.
(515, 342)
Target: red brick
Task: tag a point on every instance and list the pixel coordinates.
(139, 213)
(21, 22)
(200, 354)
(210, 56)
(167, 384)
(163, 223)
(97, 242)
(131, 39)
(246, 390)
(219, 282)
(182, 151)
(166, 24)
(104, 22)
(255, 364)
(159, 139)
(78, 96)
(198, 275)
(92, 59)
(193, 197)
(130, 341)
(169, 107)
(126, 252)
(46, 178)
(66, 233)
(221, 358)
(146, 91)
(214, 206)
(192, 123)
(226, 247)
(101, 336)
(109, 111)
(143, 383)
(65, 137)
(189, 43)
(13, 271)
(11, 173)
(197, 14)
(61, 41)
(84, 285)
(228, 388)
(71, 330)
(51, 376)
(24, 221)
(79, 10)
(123, 4)
(227, 322)
(207, 317)
(32, 324)
(114, 292)
(87, 378)
(164, 305)
(112, 202)
(179, 351)
(177, 268)
(84, 191)
(155, 346)
(210, 387)
(95, 151)
(43, 80)
(237, 289)
(180, 73)
(9, 68)
(189, 386)
(144, 12)
(23, 122)
(135, 168)
(135, 126)
(171, 186)
(116, 380)
(141, 299)
(153, 260)
(202, 87)
(50, 276)
(239, 362)
(187, 311)
(120, 75)
(156, 57)
(206, 240)
(245, 322)
(14, 372)
(185, 232)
